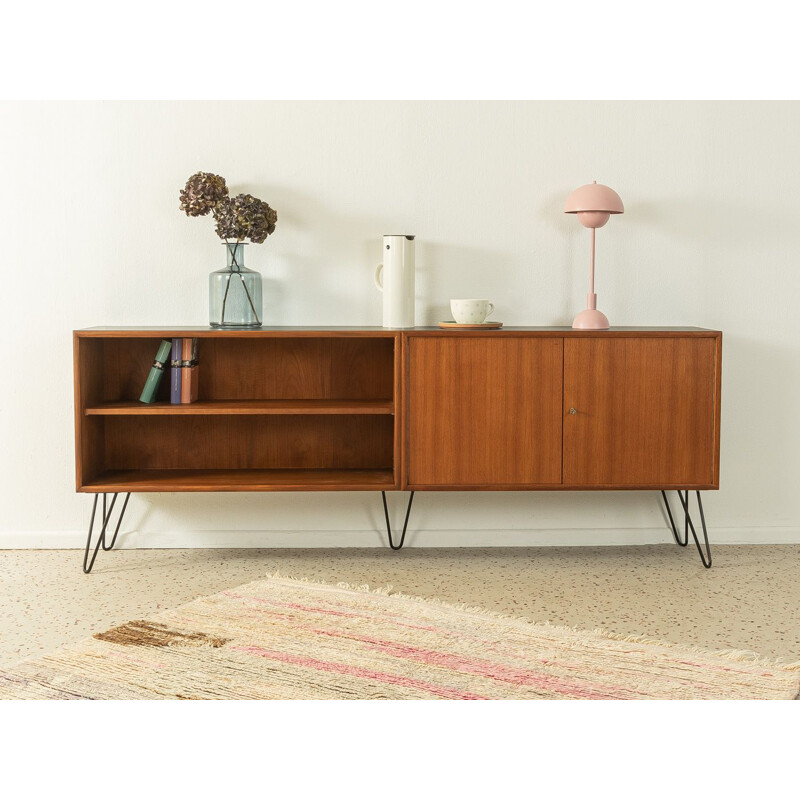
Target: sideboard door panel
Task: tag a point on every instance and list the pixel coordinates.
(484, 411)
(640, 411)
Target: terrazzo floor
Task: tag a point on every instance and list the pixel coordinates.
(749, 600)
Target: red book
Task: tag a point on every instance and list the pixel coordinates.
(189, 370)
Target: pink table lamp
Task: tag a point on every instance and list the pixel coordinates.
(593, 204)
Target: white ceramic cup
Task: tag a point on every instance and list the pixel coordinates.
(471, 312)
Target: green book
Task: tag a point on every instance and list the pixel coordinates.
(156, 372)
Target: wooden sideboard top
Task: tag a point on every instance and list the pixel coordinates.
(199, 331)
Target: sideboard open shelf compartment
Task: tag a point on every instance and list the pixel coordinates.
(310, 410)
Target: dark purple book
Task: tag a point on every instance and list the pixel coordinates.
(175, 372)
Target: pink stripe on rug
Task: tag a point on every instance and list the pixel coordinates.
(360, 672)
(482, 668)
(401, 621)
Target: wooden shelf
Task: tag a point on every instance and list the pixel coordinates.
(240, 480)
(254, 407)
(315, 411)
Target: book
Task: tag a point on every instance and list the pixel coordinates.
(175, 372)
(189, 364)
(193, 371)
(156, 372)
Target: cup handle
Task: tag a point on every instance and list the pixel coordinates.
(491, 310)
(379, 277)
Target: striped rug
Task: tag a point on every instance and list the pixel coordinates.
(288, 639)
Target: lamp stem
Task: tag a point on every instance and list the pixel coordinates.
(591, 281)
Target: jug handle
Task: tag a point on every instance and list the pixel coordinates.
(379, 277)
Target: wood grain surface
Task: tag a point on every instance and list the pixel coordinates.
(484, 411)
(644, 412)
(246, 407)
(246, 442)
(241, 480)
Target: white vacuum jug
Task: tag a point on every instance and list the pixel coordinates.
(395, 278)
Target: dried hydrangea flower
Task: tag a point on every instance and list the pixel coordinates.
(226, 220)
(202, 192)
(244, 217)
(262, 220)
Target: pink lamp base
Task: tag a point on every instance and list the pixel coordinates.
(590, 319)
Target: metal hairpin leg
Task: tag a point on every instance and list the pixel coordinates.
(101, 539)
(389, 526)
(688, 525)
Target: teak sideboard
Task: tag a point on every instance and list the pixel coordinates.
(333, 409)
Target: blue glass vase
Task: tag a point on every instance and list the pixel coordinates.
(234, 293)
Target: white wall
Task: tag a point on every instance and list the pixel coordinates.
(92, 235)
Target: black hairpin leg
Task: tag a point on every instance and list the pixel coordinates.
(101, 539)
(389, 526)
(688, 525)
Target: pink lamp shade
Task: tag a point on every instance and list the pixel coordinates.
(594, 204)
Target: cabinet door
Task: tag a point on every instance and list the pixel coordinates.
(484, 412)
(640, 412)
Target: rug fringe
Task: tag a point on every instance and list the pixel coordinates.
(745, 656)
(363, 588)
